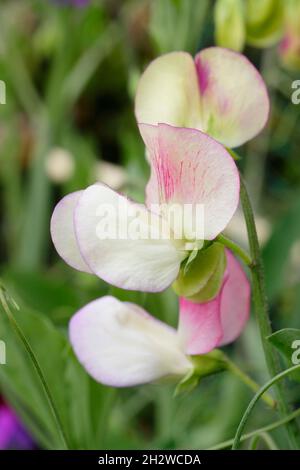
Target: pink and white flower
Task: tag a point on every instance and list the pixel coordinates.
(121, 345)
(187, 168)
(219, 92)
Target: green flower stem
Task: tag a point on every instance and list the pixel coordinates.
(36, 366)
(261, 307)
(236, 249)
(268, 399)
(255, 399)
(266, 438)
(256, 432)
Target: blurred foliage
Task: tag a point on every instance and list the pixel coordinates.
(70, 77)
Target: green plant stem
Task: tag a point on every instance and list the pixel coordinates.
(268, 399)
(266, 438)
(261, 308)
(269, 427)
(236, 249)
(257, 396)
(36, 366)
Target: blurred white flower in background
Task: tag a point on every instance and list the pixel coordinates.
(59, 165)
(237, 230)
(111, 174)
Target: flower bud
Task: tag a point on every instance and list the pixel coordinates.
(201, 280)
(230, 24)
(264, 22)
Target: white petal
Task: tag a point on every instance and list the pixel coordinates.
(123, 243)
(168, 91)
(121, 345)
(63, 234)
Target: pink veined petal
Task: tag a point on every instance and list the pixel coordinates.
(63, 234)
(190, 168)
(234, 99)
(168, 91)
(235, 301)
(200, 325)
(108, 228)
(121, 345)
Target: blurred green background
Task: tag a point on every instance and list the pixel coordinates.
(70, 76)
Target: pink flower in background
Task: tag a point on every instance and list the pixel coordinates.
(219, 92)
(121, 345)
(188, 168)
(12, 433)
(289, 47)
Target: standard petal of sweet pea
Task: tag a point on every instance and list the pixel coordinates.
(200, 325)
(123, 243)
(191, 169)
(168, 91)
(63, 234)
(235, 300)
(234, 99)
(121, 345)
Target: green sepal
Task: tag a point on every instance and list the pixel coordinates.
(201, 279)
(204, 365)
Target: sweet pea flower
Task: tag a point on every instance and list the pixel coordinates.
(188, 168)
(121, 345)
(219, 92)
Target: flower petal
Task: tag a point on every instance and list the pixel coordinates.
(63, 234)
(205, 326)
(234, 99)
(168, 91)
(235, 302)
(123, 243)
(121, 345)
(190, 168)
(200, 325)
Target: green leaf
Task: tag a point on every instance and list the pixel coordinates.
(287, 341)
(43, 293)
(202, 279)
(19, 378)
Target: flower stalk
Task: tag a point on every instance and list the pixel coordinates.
(236, 249)
(261, 307)
(231, 366)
